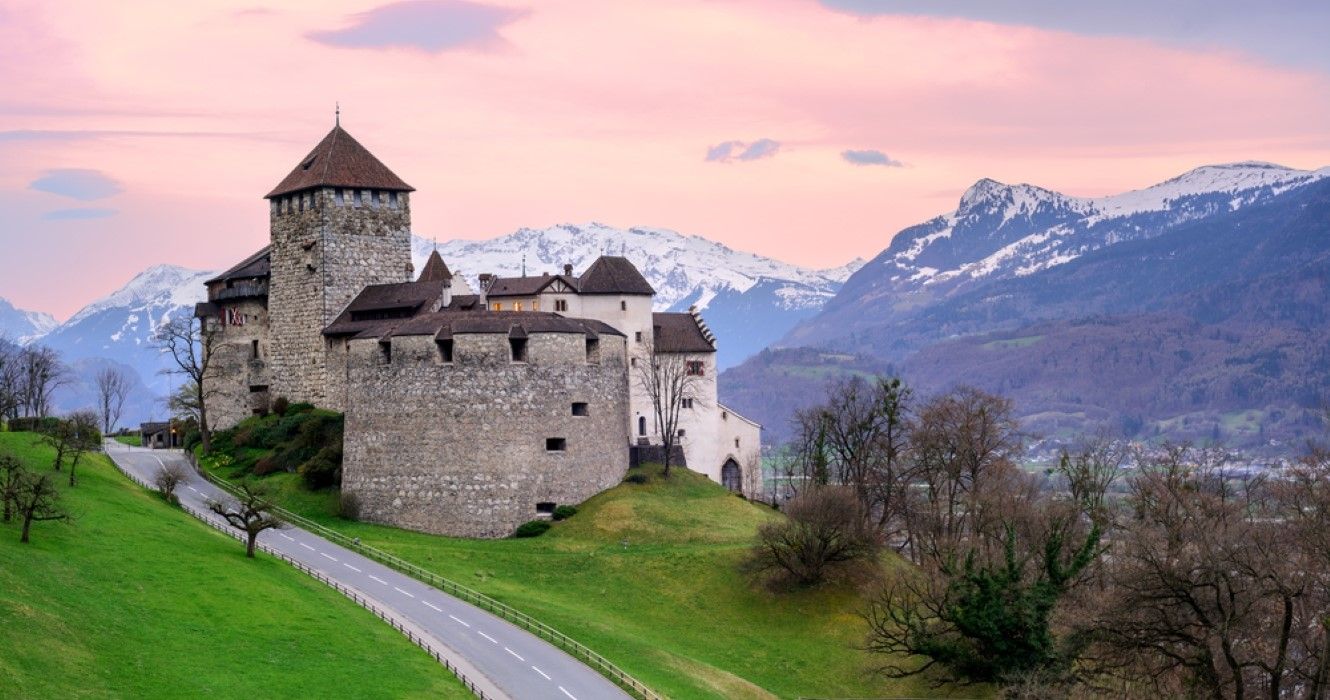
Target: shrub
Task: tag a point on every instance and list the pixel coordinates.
(635, 479)
(825, 530)
(266, 466)
(34, 425)
(167, 479)
(280, 405)
(324, 469)
(532, 528)
(564, 512)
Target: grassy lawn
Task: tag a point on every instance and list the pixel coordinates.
(647, 576)
(136, 599)
(131, 440)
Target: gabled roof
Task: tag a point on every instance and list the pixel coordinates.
(679, 332)
(435, 270)
(611, 274)
(256, 265)
(377, 301)
(527, 286)
(339, 161)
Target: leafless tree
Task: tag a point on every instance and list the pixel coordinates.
(112, 389)
(11, 379)
(824, 528)
(191, 346)
(249, 512)
(37, 500)
(84, 438)
(40, 373)
(168, 478)
(60, 436)
(1090, 471)
(11, 477)
(670, 381)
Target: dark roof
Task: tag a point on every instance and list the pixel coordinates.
(339, 161)
(402, 299)
(435, 269)
(517, 324)
(464, 302)
(611, 274)
(526, 286)
(679, 332)
(256, 265)
(153, 427)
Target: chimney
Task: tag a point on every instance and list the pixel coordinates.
(486, 281)
(568, 270)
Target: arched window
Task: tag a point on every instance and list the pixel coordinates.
(641, 425)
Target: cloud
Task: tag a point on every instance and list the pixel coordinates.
(738, 150)
(870, 157)
(83, 185)
(78, 213)
(429, 25)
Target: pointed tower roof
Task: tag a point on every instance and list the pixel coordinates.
(340, 161)
(435, 270)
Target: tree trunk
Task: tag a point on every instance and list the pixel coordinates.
(27, 526)
(205, 435)
(249, 544)
(73, 479)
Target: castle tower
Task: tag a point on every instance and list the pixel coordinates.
(339, 222)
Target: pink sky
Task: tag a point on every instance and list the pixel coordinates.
(562, 111)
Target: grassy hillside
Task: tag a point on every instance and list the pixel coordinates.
(647, 576)
(136, 599)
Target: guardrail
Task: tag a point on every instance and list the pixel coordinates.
(347, 591)
(574, 648)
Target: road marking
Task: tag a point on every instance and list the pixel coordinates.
(459, 621)
(432, 606)
(328, 556)
(533, 668)
(395, 588)
(486, 636)
(350, 567)
(191, 488)
(515, 656)
(376, 578)
(283, 534)
(302, 544)
(566, 693)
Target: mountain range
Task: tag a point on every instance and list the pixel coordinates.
(1194, 309)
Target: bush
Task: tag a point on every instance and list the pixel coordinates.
(280, 405)
(324, 469)
(34, 425)
(532, 528)
(266, 466)
(635, 479)
(825, 530)
(564, 512)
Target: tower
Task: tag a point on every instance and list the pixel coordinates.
(341, 220)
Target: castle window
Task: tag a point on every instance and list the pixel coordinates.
(340, 196)
(373, 197)
(736, 443)
(682, 432)
(517, 346)
(632, 362)
(686, 403)
(560, 304)
(302, 202)
(385, 353)
(392, 199)
(637, 337)
(580, 408)
(695, 368)
(445, 349)
(254, 349)
(593, 350)
(257, 388)
(556, 444)
(355, 198)
(641, 425)
(545, 508)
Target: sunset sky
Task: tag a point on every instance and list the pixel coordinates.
(134, 133)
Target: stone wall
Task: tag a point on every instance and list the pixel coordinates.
(326, 248)
(460, 448)
(237, 380)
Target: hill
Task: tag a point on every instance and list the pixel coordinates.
(137, 599)
(647, 575)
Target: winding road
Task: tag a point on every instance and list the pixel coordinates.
(503, 660)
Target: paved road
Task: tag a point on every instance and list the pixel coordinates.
(512, 661)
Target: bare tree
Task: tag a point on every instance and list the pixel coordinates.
(670, 381)
(11, 477)
(191, 347)
(41, 373)
(84, 437)
(112, 389)
(60, 436)
(37, 500)
(11, 380)
(168, 478)
(249, 512)
(825, 528)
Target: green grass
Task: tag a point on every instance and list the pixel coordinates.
(136, 599)
(647, 576)
(131, 440)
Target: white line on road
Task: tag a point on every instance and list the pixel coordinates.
(533, 668)
(510, 651)
(191, 488)
(350, 567)
(395, 588)
(283, 534)
(566, 693)
(302, 544)
(459, 621)
(432, 606)
(486, 636)
(329, 556)
(376, 578)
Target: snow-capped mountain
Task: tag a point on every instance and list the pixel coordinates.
(749, 300)
(1001, 231)
(21, 325)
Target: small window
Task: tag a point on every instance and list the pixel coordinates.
(736, 443)
(686, 403)
(593, 350)
(632, 361)
(556, 444)
(641, 425)
(535, 305)
(445, 350)
(517, 306)
(257, 388)
(623, 305)
(496, 306)
(517, 347)
(695, 368)
(580, 408)
(386, 353)
(254, 349)
(682, 432)
(392, 199)
(355, 198)
(560, 304)
(545, 508)
(373, 197)
(724, 415)
(637, 337)
(340, 196)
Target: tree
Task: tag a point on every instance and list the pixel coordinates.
(37, 500)
(248, 512)
(84, 437)
(670, 380)
(191, 347)
(168, 478)
(112, 389)
(11, 379)
(825, 528)
(60, 435)
(11, 477)
(40, 373)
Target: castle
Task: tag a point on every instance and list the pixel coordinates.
(466, 413)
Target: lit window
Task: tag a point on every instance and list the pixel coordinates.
(517, 306)
(535, 305)
(497, 306)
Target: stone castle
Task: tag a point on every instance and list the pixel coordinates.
(466, 413)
